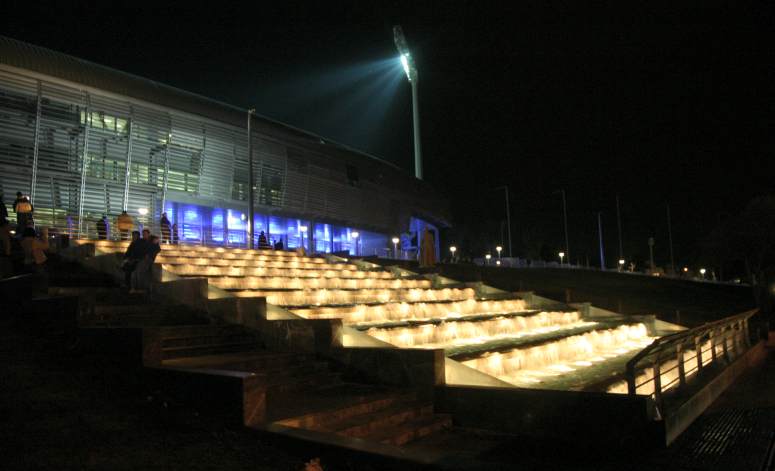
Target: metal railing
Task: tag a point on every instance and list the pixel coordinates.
(670, 361)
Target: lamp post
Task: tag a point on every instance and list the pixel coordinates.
(302, 230)
(411, 74)
(395, 247)
(621, 264)
(452, 250)
(565, 221)
(499, 249)
(487, 258)
(508, 214)
(355, 235)
(562, 255)
(702, 272)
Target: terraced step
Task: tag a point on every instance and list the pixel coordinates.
(284, 384)
(258, 359)
(382, 313)
(361, 426)
(291, 283)
(411, 430)
(219, 262)
(338, 297)
(337, 408)
(215, 271)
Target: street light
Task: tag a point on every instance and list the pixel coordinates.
(702, 272)
(452, 250)
(488, 257)
(302, 230)
(499, 249)
(355, 235)
(621, 264)
(411, 74)
(498, 262)
(395, 247)
(562, 255)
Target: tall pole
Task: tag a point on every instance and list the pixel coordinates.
(250, 181)
(508, 216)
(416, 118)
(619, 226)
(565, 222)
(600, 237)
(670, 238)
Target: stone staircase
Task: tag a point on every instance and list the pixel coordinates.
(302, 391)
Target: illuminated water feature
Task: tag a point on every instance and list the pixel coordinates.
(448, 318)
(527, 367)
(460, 333)
(398, 312)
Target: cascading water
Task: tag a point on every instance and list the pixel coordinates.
(527, 366)
(460, 333)
(398, 312)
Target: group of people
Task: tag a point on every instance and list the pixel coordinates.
(125, 224)
(263, 243)
(21, 250)
(138, 261)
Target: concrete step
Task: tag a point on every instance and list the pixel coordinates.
(208, 349)
(411, 430)
(282, 384)
(346, 408)
(258, 360)
(365, 424)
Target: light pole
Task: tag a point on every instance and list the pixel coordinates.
(487, 258)
(251, 210)
(562, 255)
(452, 250)
(651, 253)
(702, 272)
(565, 221)
(354, 235)
(302, 231)
(395, 247)
(499, 249)
(600, 236)
(621, 264)
(508, 215)
(411, 74)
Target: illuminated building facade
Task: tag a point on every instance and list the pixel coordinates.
(83, 140)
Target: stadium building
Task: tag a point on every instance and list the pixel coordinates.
(84, 140)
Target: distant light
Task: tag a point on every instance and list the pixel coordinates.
(395, 240)
(621, 261)
(686, 269)
(498, 262)
(405, 63)
(355, 234)
(453, 249)
(702, 271)
(488, 256)
(499, 248)
(142, 211)
(243, 217)
(302, 228)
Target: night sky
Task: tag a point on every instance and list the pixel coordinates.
(656, 106)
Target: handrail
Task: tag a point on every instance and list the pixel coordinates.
(688, 347)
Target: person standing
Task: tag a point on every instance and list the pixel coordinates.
(165, 229)
(102, 228)
(125, 224)
(3, 209)
(34, 256)
(23, 209)
(175, 233)
(133, 255)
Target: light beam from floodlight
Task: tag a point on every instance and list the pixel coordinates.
(411, 74)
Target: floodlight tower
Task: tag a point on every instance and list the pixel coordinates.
(411, 73)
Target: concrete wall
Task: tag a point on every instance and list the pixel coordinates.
(608, 419)
(416, 368)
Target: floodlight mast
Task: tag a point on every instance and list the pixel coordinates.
(411, 74)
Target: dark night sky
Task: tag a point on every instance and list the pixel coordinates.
(657, 106)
